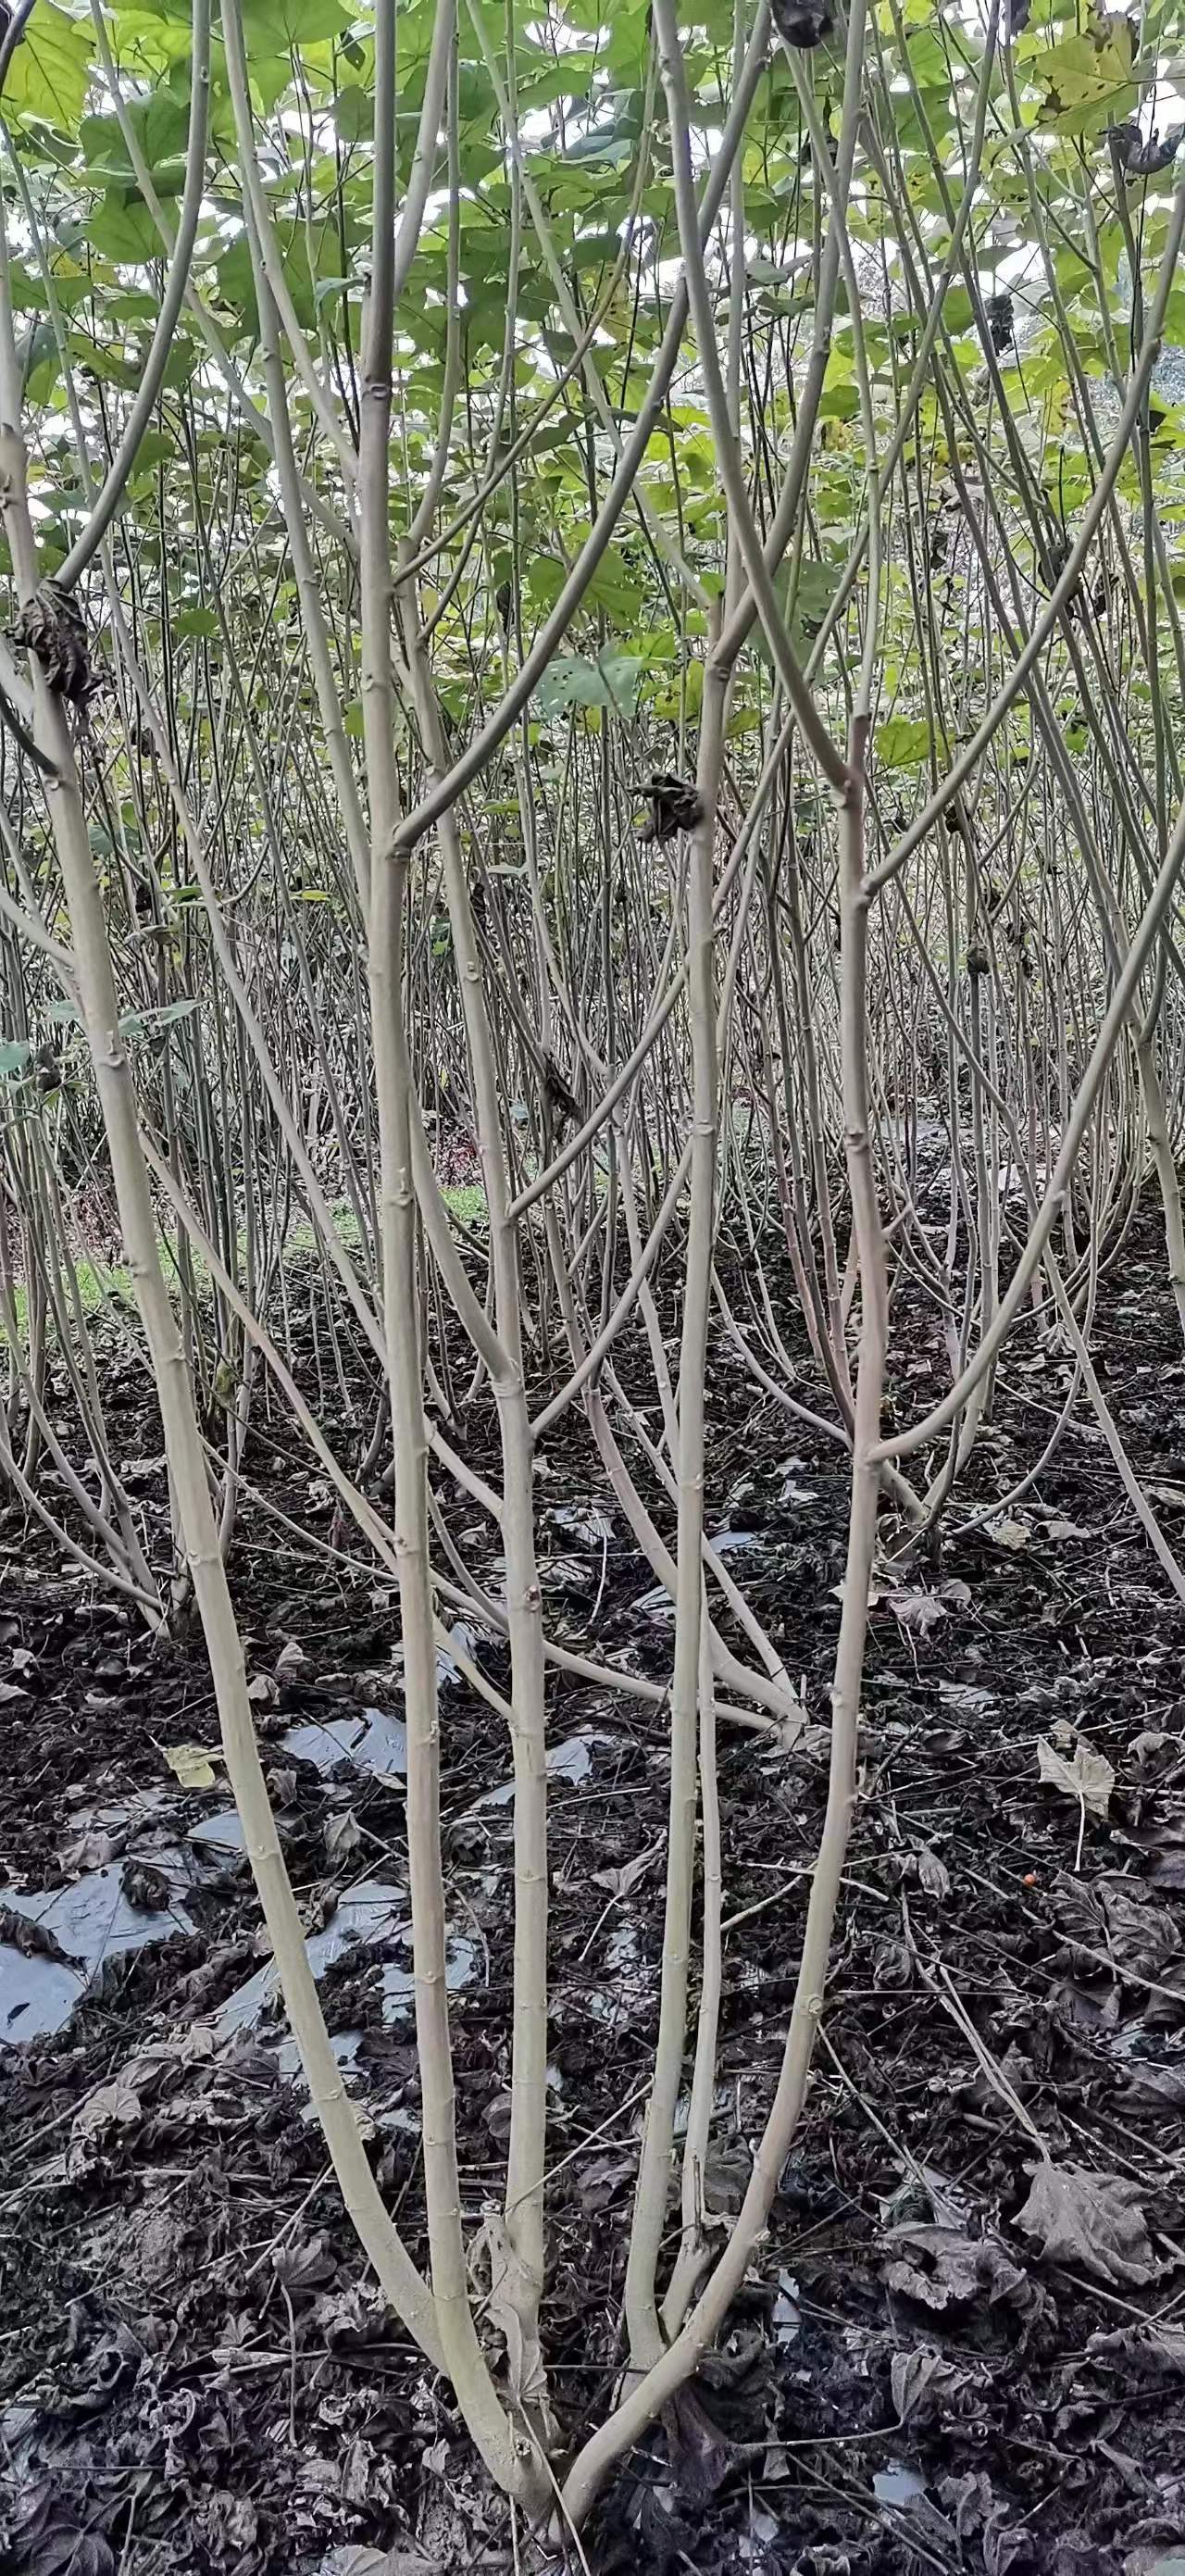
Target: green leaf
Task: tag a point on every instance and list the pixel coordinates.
(612, 681)
(353, 113)
(161, 127)
(122, 229)
(139, 1024)
(48, 74)
(197, 621)
(279, 26)
(15, 1054)
(903, 743)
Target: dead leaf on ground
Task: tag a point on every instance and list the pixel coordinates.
(342, 1834)
(1095, 2220)
(700, 2455)
(1154, 2351)
(916, 1611)
(110, 2106)
(1157, 2087)
(511, 2308)
(933, 1873)
(947, 2269)
(618, 1882)
(192, 1764)
(926, 2386)
(354, 2558)
(1010, 1533)
(1088, 1777)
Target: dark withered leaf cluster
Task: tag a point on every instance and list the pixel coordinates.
(803, 23)
(675, 806)
(50, 625)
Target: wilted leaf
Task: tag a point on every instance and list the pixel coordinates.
(619, 1881)
(289, 1660)
(193, 1764)
(1163, 2087)
(933, 1873)
(1011, 1533)
(261, 1690)
(700, 2455)
(304, 2266)
(917, 1611)
(1095, 2220)
(925, 2385)
(1088, 1777)
(511, 2308)
(342, 1834)
(949, 2269)
(110, 2106)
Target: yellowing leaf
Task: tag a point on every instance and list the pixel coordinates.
(193, 1764)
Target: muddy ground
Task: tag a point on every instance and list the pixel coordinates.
(963, 2342)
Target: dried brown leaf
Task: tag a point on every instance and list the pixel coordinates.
(1088, 1777)
(1095, 2220)
(110, 2106)
(917, 1611)
(933, 1873)
(342, 1834)
(512, 2306)
(618, 1882)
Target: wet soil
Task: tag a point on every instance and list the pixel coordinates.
(962, 2341)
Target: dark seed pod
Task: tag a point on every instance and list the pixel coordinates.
(999, 317)
(803, 23)
(978, 962)
(50, 626)
(1139, 156)
(556, 1093)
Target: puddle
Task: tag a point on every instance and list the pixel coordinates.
(223, 1832)
(585, 1521)
(344, 2043)
(626, 1980)
(787, 2314)
(368, 1912)
(91, 1921)
(460, 1968)
(570, 1762)
(372, 1741)
(464, 1641)
(895, 2484)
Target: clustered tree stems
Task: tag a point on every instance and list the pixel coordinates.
(349, 865)
(95, 985)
